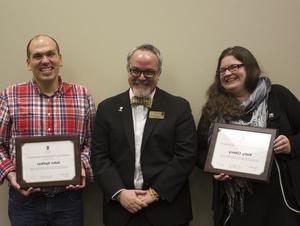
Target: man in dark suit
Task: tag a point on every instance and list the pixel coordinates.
(144, 149)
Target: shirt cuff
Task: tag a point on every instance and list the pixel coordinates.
(115, 196)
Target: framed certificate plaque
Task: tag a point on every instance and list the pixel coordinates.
(48, 161)
(241, 151)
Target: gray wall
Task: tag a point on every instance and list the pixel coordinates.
(95, 36)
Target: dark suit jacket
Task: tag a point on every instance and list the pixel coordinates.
(168, 155)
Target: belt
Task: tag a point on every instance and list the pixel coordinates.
(48, 194)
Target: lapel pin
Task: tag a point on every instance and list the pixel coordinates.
(120, 109)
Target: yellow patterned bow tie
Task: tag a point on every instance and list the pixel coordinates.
(147, 102)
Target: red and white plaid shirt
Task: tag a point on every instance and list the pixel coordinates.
(25, 111)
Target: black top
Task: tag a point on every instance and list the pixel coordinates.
(266, 207)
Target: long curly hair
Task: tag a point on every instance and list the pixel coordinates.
(220, 101)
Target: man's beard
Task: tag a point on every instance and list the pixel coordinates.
(143, 89)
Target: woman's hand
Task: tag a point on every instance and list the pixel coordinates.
(222, 177)
(282, 145)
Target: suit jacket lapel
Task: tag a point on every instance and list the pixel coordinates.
(157, 105)
(127, 120)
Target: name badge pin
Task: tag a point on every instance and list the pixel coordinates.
(157, 114)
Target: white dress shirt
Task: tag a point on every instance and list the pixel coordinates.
(139, 116)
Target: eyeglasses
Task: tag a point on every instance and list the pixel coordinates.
(136, 72)
(231, 68)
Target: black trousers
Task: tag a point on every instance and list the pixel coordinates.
(139, 219)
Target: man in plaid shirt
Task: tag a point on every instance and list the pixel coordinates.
(44, 106)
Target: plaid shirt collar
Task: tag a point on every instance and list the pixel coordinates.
(61, 90)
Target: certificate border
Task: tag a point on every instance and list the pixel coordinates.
(20, 141)
(265, 176)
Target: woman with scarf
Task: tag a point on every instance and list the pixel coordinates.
(241, 94)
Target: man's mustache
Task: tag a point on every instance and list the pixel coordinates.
(141, 82)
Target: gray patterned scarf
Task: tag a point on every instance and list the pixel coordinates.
(256, 106)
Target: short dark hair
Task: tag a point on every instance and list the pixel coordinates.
(250, 64)
(148, 47)
(37, 36)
